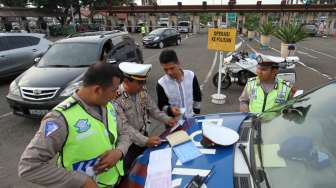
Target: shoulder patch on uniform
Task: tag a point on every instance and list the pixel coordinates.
(50, 127)
(82, 125)
(67, 104)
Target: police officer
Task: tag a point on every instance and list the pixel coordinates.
(85, 133)
(143, 29)
(265, 91)
(137, 105)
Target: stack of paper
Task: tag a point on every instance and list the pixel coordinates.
(159, 169)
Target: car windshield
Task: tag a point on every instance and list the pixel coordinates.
(298, 141)
(183, 24)
(157, 32)
(70, 55)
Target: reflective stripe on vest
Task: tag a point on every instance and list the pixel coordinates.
(260, 102)
(87, 140)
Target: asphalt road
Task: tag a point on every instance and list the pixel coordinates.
(317, 66)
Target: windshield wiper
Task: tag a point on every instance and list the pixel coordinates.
(242, 149)
(259, 142)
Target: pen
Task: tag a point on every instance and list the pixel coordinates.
(207, 177)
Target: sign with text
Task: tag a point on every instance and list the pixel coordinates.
(222, 39)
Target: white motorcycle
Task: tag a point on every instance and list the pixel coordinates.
(240, 66)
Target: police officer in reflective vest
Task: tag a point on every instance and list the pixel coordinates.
(138, 106)
(266, 90)
(143, 30)
(86, 134)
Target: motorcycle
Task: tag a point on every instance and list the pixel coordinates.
(240, 66)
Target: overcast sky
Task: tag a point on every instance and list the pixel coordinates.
(210, 2)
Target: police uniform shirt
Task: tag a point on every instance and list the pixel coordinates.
(136, 109)
(35, 164)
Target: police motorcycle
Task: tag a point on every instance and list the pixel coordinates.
(239, 66)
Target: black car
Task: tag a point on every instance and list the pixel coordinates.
(60, 71)
(162, 37)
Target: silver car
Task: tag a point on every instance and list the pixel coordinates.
(18, 51)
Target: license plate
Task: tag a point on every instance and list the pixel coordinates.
(38, 112)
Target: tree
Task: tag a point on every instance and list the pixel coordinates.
(14, 3)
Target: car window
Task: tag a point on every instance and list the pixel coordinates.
(117, 40)
(32, 40)
(70, 54)
(119, 52)
(15, 42)
(173, 32)
(3, 44)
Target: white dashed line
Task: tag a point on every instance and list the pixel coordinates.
(6, 115)
(301, 63)
(322, 53)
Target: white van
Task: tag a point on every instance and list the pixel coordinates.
(184, 26)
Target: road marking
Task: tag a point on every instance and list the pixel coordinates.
(333, 57)
(214, 62)
(301, 63)
(6, 115)
(307, 54)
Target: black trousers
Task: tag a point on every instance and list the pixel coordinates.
(133, 152)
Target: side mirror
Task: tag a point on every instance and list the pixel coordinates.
(36, 60)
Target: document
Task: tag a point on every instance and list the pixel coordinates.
(159, 169)
(183, 147)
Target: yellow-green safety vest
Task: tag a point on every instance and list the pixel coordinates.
(87, 139)
(143, 29)
(261, 101)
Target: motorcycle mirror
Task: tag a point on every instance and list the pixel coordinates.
(298, 93)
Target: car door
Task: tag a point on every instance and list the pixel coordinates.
(19, 55)
(34, 47)
(4, 62)
(174, 36)
(165, 36)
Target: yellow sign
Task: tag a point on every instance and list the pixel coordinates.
(222, 39)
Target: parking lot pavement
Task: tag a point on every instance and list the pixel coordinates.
(16, 132)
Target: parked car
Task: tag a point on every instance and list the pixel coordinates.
(60, 71)
(162, 37)
(184, 26)
(18, 51)
(297, 142)
(311, 29)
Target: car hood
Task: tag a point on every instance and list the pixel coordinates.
(150, 37)
(49, 76)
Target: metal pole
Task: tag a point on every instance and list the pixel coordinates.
(220, 72)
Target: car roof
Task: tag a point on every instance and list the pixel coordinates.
(39, 35)
(91, 37)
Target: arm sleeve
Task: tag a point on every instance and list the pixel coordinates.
(134, 135)
(155, 112)
(35, 163)
(244, 100)
(124, 140)
(163, 102)
(197, 95)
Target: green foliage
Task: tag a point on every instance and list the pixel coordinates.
(266, 29)
(251, 21)
(291, 33)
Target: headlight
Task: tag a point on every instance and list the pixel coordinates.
(14, 89)
(156, 38)
(71, 89)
